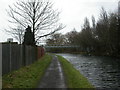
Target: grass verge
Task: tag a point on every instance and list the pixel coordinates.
(72, 76)
(27, 77)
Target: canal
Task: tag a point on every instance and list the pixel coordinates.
(102, 72)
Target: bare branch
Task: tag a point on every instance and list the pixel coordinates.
(39, 15)
(57, 29)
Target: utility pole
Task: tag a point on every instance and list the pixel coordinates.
(119, 13)
(118, 29)
(119, 8)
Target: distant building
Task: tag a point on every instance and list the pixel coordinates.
(10, 40)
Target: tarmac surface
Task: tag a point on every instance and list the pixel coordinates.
(53, 77)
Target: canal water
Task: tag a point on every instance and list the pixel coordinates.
(102, 72)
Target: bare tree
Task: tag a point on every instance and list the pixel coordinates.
(40, 15)
(56, 39)
(71, 37)
(17, 33)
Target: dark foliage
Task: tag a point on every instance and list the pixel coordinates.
(29, 37)
(103, 38)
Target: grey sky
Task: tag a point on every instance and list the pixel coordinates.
(72, 14)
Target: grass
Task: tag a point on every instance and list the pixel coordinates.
(72, 76)
(27, 77)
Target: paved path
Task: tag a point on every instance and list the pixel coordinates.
(53, 77)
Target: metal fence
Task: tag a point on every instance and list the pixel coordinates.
(0, 67)
(15, 56)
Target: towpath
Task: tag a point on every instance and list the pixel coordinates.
(53, 77)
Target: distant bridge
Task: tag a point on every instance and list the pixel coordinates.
(62, 46)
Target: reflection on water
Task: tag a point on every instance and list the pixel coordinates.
(103, 72)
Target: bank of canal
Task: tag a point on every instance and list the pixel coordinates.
(102, 72)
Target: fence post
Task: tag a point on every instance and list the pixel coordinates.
(10, 56)
(23, 54)
(0, 66)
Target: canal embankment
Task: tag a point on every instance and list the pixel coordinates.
(73, 77)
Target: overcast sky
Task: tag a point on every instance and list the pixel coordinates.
(72, 14)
